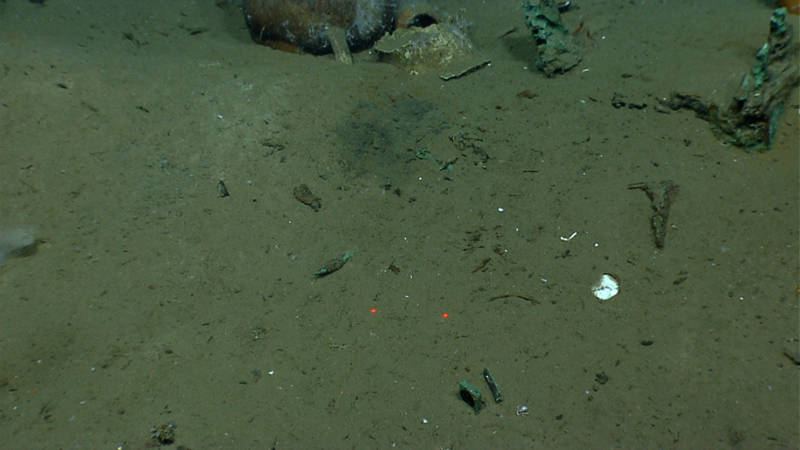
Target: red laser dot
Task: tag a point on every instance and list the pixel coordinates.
(373, 310)
(445, 315)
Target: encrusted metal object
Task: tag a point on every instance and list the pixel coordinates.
(751, 118)
(497, 394)
(333, 265)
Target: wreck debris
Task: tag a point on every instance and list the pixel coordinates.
(434, 46)
(464, 69)
(557, 50)
(333, 265)
(304, 195)
(661, 196)
(751, 120)
(303, 24)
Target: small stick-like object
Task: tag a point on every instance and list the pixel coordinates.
(493, 386)
(482, 265)
(522, 296)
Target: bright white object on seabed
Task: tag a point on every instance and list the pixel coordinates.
(606, 287)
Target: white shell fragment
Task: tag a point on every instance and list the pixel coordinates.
(606, 288)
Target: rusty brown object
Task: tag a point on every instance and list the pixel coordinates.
(303, 23)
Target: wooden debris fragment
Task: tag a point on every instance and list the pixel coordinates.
(661, 196)
(304, 195)
(460, 70)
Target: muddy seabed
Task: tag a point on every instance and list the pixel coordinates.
(153, 303)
